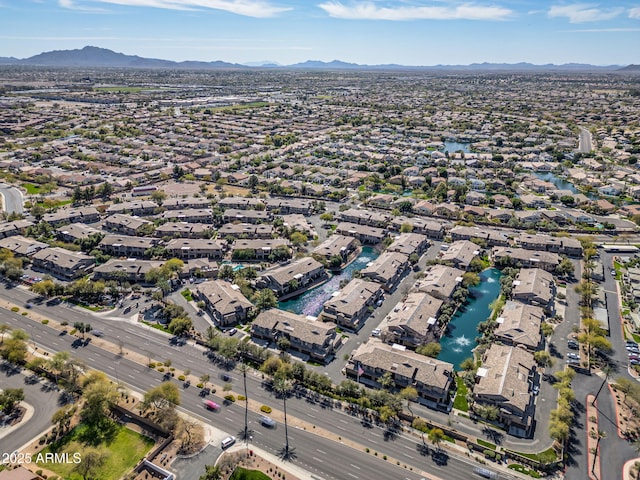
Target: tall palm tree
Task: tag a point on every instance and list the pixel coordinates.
(283, 387)
(244, 368)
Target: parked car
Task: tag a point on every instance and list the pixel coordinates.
(573, 345)
(233, 331)
(633, 361)
(376, 332)
(575, 356)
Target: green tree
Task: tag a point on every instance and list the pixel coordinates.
(546, 329)
(470, 279)
(436, 436)
(180, 326)
(410, 394)
(543, 358)
(431, 349)
(386, 381)
(406, 228)
(212, 472)
(99, 394)
(9, 398)
(298, 238)
(158, 196)
(92, 460)
(164, 395)
(264, 299)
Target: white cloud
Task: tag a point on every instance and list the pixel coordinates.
(634, 12)
(248, 8)
(369, 11)
(602, 30)
(582, 12)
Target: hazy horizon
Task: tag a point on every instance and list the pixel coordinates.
(372, 32)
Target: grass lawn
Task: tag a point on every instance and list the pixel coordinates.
(125, 448)
(243, 474)
(186, 293)
(31, 188)
(525, 470)
(460, 402)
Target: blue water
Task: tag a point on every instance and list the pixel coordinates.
(561, 183)
(456, 146)
(312, 301)
(459, 341)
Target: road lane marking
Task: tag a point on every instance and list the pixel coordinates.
(352, 475)
(355, 466)
(324, 453)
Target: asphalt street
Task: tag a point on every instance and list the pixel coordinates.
(43, 397)
(340, 460)
(12, 199)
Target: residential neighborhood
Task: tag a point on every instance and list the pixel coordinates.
(448, 262)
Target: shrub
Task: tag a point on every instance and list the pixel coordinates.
(161, 369)
(230, 398)
(45, 321)
(152, 365)
(266, 409)
(15, 309)
(24, 314)
(65, 323)
(73, 332)
(489, 453)
(200, 385)
(241, 398)
(182, 378)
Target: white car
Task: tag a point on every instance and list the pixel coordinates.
(376, 332)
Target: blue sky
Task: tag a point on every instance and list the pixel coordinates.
(421, 32)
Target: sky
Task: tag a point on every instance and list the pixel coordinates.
(371, 32)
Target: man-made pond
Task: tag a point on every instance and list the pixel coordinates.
(459, 340)
(457, 146)
(561, 183)
(311, 301)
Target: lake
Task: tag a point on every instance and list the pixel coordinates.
(457, 146)
(561, 183)
(312, 301)
(459, 340)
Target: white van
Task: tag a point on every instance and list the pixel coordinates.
(227, 442)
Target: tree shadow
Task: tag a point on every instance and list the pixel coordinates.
(493, 435)
(242, 435)
(287, 454)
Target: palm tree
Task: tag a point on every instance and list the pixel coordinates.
(283, 387)
(243, 368)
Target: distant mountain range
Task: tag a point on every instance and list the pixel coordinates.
(102, 57)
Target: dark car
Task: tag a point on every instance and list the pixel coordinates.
(573, 345)
(28, 305)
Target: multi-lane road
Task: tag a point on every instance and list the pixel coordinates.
(326, 458)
